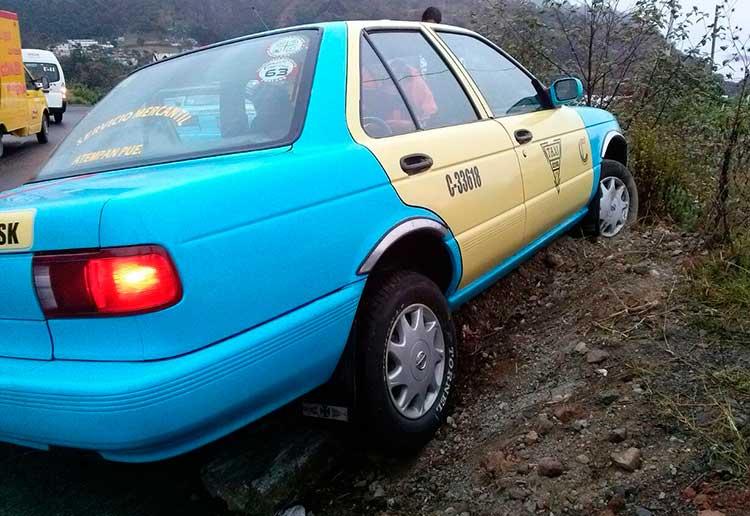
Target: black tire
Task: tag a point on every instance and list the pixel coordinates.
(2, 146)
(58, 117)
(611, 168)
(385, 300)
(43, 135)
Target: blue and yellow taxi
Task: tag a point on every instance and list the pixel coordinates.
(237, 227)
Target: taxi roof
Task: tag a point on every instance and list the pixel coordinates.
(356, 25)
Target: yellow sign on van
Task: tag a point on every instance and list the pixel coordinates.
(16, 230)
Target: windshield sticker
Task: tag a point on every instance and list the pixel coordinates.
(287, 46)
(179, 115)
(277, 70)
(116, 152)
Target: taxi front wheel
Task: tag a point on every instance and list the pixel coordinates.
(615, 204)
(408, 366)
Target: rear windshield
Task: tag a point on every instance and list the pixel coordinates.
(235, 97)
(48, 70)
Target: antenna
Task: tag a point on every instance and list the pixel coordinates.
(259, 17)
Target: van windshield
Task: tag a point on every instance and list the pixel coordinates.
(48, 70)
(246, 95)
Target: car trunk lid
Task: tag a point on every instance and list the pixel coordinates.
(35, 218)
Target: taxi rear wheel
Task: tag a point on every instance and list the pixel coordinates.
(408, 364)
(43, 135)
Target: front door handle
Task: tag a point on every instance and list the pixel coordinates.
(416, 163)
(523, 136)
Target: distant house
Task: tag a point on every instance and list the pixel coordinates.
(62, 49)
(159, 56)
(83, 43)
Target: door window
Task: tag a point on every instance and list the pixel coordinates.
(507, 89)
(29, 81)
(435, 96)
(383, 110)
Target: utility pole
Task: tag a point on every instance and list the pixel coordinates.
(715, 36)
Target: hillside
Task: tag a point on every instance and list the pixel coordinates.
(47, 21)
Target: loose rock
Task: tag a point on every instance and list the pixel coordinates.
(565, 413)
(544, 425)
(629, 460)
(553, 260)
(582, 348)
(642, 511)
(297, 510)
(596, 356)
(583, 459)
(617, 435)
(531, 438)
(608, 397)
(549, 467)
(580, 424)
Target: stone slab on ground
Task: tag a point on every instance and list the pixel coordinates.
(282, 465)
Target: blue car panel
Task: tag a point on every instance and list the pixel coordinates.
(268, 246)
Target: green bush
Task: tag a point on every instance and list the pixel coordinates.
(665, 174)
(81, 94)
(722, 282)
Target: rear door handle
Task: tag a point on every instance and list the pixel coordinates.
(523, 136)
(416, 163)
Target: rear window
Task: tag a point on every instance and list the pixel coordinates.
(48, 70)
(236, 97)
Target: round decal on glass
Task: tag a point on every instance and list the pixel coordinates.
(277, 70)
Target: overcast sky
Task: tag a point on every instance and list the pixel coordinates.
(740, 17)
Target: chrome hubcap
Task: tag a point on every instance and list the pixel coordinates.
(614, 206)
(415, 361)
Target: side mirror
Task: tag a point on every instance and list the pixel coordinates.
(566, 90)
(42, 84)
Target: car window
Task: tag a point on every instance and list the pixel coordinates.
(29, 81)
(383, 110)
(245, 95)
(507, 89)
(432, 91)
(48, 70)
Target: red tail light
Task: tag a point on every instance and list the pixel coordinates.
(117, 281)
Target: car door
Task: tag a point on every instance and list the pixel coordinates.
(551, 143)
(439, 147)
(34, 104)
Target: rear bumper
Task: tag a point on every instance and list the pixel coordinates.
(139, 412)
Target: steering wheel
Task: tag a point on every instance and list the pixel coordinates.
(380, 127)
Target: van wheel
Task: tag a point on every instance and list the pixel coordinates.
(43, 135)
(2, 146)
(615, 205)
(58, 118)
(408, 370)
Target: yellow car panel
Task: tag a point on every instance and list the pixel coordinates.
(21, 108)
(487, 219)
(556, 166)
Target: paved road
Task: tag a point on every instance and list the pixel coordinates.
(24, 157)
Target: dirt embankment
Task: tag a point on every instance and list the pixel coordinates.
(581, 385)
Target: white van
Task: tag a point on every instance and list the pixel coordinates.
(44, 63)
